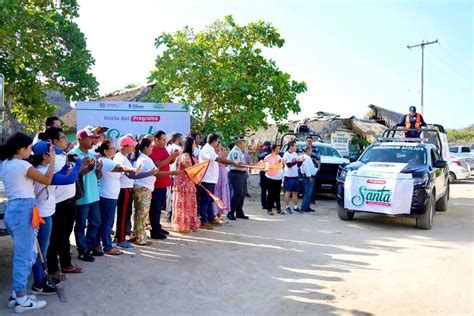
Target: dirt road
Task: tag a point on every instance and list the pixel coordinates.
(285, 265)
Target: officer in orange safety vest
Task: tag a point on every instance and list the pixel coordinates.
(412, 120)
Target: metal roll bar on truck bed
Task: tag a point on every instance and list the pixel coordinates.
(433, 134)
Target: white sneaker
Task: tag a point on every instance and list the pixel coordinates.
(29, 305)
(12, 300)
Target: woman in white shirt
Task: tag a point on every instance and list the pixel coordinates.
(46, 204)
(109, 189)
(18, 178)
(274, 180)
(142, 190)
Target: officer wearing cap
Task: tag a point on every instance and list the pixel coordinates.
(412, 121)
(267, 150)
(237, 178)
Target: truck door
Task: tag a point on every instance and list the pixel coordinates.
(440, 176)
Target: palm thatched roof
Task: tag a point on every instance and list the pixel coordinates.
(323, 125)
(136, 94)
(383, 116)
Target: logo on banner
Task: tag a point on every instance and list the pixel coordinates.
(145, 118)
(369, 196)
(108, 105)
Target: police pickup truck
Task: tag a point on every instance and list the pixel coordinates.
(397, 176)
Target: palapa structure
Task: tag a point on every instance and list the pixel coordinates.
(323, 124)
(383, 116)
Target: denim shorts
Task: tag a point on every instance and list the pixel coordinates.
(291, 185)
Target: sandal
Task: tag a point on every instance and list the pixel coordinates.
(72, 269)
(58, 277)
(114, 252)
(143, 243)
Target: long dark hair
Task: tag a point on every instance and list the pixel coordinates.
(145, 142)
(188, 148)
(103, 147)
(14, 143)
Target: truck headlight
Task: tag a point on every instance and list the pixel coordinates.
(342, 175)
(420, 179)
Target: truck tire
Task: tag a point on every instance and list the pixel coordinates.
(442, 204)
(344, 214)
(425, 221)
(452, 177)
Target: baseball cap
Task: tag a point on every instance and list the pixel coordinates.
(239, 138)
(84, 133)
(127, 141)
(267, 143)
(42, 147)
(412, 109)
(96, 130)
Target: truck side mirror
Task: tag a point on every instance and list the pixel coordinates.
(440, 164)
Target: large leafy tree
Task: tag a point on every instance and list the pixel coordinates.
(223, 78)
(41, 48)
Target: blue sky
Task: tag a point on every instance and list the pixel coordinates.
(350, 53)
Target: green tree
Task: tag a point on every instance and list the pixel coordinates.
(131, 86)
(461, 135)
(221, 76)
(41, 48)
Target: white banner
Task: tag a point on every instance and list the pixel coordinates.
(340, 141)
(137, 118)
(379, 188)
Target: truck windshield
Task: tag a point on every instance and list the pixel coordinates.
(404, 154)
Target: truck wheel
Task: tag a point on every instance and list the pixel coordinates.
(425, 221)
(451, 177)
(442, 204)
(344, 214)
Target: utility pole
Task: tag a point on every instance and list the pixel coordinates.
(422, 45)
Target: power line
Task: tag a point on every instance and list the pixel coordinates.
(422, 45)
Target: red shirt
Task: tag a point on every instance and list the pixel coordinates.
(159, 154)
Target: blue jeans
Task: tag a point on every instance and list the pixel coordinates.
(87, 217)
(44, 233)
(17, 219)
(158, 198)
(169, 201)
(107, 216)
(205, 204)
(308, 192)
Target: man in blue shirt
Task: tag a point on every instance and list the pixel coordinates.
(87, 205)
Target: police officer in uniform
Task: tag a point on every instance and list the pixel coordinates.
(267, 150)
(237, 178)
(412, 120)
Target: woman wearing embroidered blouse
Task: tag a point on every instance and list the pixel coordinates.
(19, 177)
(142, 190)
(185, 217)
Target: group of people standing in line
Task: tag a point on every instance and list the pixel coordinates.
(95, 185)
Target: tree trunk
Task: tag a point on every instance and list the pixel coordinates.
(10, 125)
(206, 116)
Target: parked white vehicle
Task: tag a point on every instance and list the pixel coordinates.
(464, 151)
(459, 168)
